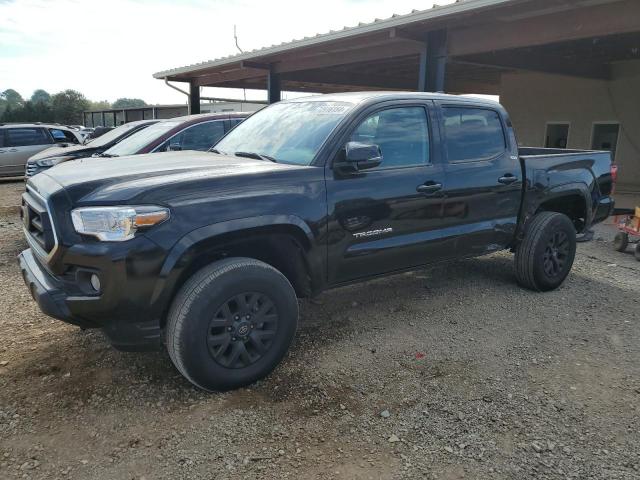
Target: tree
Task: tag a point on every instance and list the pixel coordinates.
(10, 99)
(41, 96)
(129, 103)
(99, 105)
(13, 98)
(68, 106)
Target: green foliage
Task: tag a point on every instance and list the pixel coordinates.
(13, 98)
(64, 107)
(29, 112)
(41, 96)
(10, 99)
(99, 105)
(129, 103)
(68, 107)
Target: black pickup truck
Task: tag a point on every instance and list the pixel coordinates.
(208, 252)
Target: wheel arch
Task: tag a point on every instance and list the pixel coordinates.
(284, 242)
(572, 200)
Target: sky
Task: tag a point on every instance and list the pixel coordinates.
(110, 49)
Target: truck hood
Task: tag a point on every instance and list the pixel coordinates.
(150, 176)
(59, 151)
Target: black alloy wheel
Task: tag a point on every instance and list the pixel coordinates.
(242, 330)
(556, 254)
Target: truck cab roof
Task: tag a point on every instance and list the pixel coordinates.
(364, 97)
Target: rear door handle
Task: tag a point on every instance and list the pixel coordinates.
(508, 179)
(429, 187)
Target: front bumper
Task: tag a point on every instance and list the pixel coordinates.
(46, 290)
(58, 299)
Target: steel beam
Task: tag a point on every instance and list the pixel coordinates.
(194, 98)
(274, 93)
(433, 62)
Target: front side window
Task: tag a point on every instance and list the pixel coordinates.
(23, 137)
(401, 133)
(472, 134)
(198, 137)
(288, 132)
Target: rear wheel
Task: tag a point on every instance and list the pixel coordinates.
(545, 257)
(231, 323)
(637, 252)
(621, 241)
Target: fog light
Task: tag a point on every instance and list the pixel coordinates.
(95, 282)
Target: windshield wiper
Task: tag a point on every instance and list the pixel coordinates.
(215, 150)
(257, 156)
(107, 155)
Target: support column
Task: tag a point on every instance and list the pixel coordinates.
(433, 62)
(194, 98)
(273, 87)
(104, 121)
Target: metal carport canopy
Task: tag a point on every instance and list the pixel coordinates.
(473, 40)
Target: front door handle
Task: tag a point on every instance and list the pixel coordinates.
(508, 179)
(429, 187)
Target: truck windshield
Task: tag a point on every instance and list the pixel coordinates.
(287, 132)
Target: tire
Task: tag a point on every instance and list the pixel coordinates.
(621, 241)
(545, 257)
(231, 324)
(636, 252)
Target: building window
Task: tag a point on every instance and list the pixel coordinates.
(557, 135)
(605, 137)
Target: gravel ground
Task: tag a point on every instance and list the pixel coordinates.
(453, 372)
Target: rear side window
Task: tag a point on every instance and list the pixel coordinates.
(27, 136)
(199, 137)
(472, 134)
(401, 133)
(62, 136)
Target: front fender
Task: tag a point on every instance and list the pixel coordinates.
(203, 239)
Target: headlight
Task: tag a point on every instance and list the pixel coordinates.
(50, 162)
(116, 224)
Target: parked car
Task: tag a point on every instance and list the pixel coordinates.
(207, 252)
(19, 141)
(191, 132)
(54, 155)
(98, 132)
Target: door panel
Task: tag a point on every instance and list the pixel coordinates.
(19, 144)
(483, 184)
(378, 220)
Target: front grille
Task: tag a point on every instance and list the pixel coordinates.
(37, 221)
(31, 170)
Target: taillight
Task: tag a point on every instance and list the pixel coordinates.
(614, 177)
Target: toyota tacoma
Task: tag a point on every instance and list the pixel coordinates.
(207, 252)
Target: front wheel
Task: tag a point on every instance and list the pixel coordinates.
(636, 252)
(231, 323)
(545, 257)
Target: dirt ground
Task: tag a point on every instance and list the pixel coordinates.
(453, 372)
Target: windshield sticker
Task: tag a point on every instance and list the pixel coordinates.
(331, 108)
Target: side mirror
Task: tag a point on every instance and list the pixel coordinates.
(174, 147)
(359, 156)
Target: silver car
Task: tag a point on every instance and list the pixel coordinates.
(19, 141)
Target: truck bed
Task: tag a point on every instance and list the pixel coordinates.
(551, 172)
